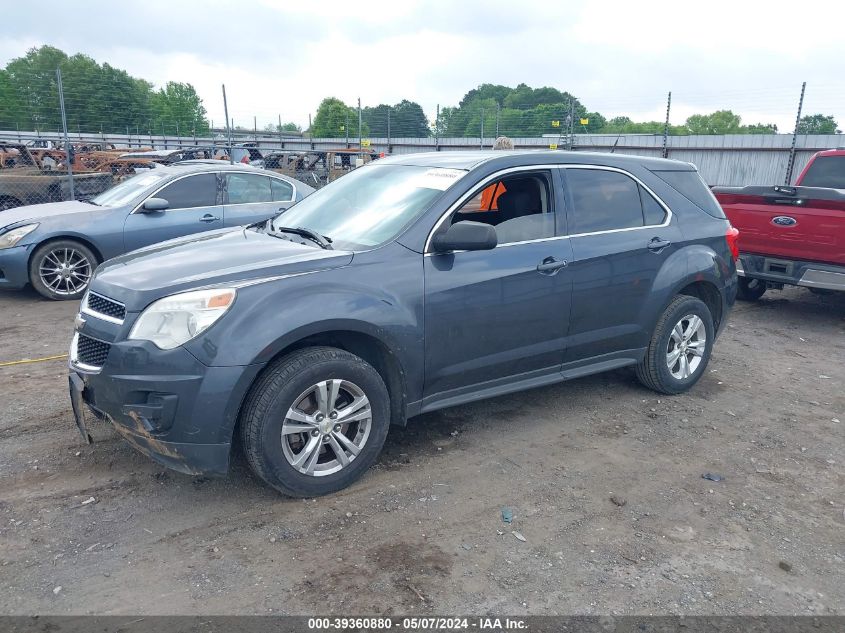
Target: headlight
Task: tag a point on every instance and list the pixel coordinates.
(11, 238)
(175, 320)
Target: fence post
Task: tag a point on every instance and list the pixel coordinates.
(228, 126)
(791, 164)
(437, 130)
(481, 143)
(498, 107)
(68, 148)
(666, 127)
(389, 151)
(346, 127)
(571, 123)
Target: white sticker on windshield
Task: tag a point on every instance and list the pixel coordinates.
(440, 179)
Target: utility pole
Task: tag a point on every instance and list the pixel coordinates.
(791, 163)
(360, 121)
(481, 140)
(68, 148)
(346, 127)
(571, 121)
(281, 142)
(388, 130)
(498, 107)
(666, 127)
(228, 126)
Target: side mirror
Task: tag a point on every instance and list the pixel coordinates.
(465, 236)
(155, 204)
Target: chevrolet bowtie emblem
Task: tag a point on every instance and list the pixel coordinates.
(78, 322)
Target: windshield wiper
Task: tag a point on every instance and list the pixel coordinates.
(321, 240)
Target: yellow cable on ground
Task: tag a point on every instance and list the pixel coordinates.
(26, 361)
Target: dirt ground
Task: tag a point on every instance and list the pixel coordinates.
(422, 532)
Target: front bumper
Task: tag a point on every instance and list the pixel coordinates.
(793, 272)
(14, 267)
(166, 404)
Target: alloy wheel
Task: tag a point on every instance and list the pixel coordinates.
(687, 344)
(326, 427)
(65, 271)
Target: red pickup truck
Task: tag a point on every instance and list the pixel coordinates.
(791, 235)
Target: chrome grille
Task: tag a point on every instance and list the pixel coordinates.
(99, 304)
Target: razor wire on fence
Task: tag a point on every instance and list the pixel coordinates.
(71, 132)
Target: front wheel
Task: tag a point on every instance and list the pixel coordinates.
(62, 269)
(680, 347)
(315, 421)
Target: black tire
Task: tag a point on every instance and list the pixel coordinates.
(654, 371)
(750, 289)
(278, 389)
(67, 289)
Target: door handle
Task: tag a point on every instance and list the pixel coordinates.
(551, 265)
(209, 218)
(657, 244)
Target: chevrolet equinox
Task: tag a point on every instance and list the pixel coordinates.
(414, 283)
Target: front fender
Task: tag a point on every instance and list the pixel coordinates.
(269, 317)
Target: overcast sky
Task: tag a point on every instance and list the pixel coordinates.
(282, 58)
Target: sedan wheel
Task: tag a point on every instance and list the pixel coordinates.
(65, 271)
(62, 269)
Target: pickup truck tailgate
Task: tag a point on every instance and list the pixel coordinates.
(802, 223)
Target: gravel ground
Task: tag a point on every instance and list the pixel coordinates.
(603, 477)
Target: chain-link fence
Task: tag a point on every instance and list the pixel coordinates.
(73, 129)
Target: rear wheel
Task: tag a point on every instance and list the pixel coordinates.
(750, 289)
(62, 269)
(680, 347)
(315, 421)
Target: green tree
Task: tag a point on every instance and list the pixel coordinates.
(332, 117)
(11, 107)
(284, 127)
(177, 108)
(760, 128)
(818, 124)
(719, 122)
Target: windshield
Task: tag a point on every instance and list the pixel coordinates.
(127, 190)
(371, 205)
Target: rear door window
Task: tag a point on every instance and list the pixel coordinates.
(603, 200)
(248, 188)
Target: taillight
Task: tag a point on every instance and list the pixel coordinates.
(732, 238)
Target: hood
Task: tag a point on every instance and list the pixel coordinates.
(40, 212)
(215, 257)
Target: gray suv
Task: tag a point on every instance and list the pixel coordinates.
(414, 283)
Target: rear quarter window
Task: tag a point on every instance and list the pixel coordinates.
(692, 187)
